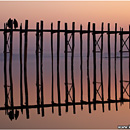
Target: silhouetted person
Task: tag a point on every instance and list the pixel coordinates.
(9, 23)
(11, 115)
(16, 114)
(15, 23)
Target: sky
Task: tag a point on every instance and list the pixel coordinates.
(79, 12)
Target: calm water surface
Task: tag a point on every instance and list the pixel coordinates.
(97, 119)
(82, 119)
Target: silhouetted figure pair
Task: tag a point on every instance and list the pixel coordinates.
(12, 115)
(11, 22)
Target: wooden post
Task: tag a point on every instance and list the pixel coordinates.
(115, 66)
(121, 64)
(72, 66)
(129, 65)
(21, 79)
(81, 67)
(37, 67)
(101, 67)
(109, 68)
(52, 93)
(25, 68)
(94, 65)
(88, 54)
(66, 66)
(5, 69)
(41, 64)
(10, 68)
(58, 75)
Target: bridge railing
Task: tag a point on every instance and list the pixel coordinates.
(69, 36)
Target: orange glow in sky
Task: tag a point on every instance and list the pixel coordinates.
(79, 12)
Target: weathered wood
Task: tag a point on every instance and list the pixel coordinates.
(37, 67)
(72, 66)
(41, 67)
(109, 68)
(64, 104)
(25, 68)
(66, 66)
(101, 67)
(94, 66)
(58, 74)
(69, 31)
(10, 68)
(81, 66)
(121, 65)
(115, 66)
(21, 79)
(52, 92)
(88, 55)
(5, 69)
(40, 100)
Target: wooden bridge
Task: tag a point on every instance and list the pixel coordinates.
(69, 35)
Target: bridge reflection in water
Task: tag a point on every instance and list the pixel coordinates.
(96, 81)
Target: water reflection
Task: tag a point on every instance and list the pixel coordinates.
(76, 82)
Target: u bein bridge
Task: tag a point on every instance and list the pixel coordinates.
(12, 111)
